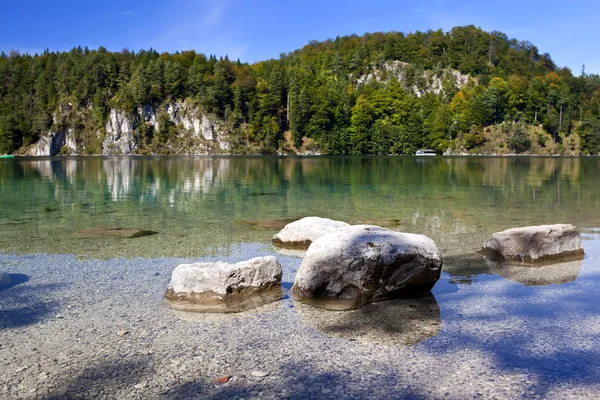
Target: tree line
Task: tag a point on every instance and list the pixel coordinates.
(315, 96)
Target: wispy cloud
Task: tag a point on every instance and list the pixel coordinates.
(204, 26)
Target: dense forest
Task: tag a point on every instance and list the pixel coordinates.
(466, 90)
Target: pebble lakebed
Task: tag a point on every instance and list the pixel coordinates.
(82, 328)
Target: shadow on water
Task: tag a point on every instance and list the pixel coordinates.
(14, 279)
(107, 377)
(24, 305)
(543, 321)
(298, 380)
(389, 323)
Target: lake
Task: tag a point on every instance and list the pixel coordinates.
(509, 330)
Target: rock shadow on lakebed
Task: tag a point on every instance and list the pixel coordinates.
(400, 322)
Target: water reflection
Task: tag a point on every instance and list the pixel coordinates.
(463, 269)
(389, 323)
(198, 201)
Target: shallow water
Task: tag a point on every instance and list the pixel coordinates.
(542, 323)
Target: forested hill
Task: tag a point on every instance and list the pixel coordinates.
(466, 90)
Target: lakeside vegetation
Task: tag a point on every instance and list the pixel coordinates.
(466, 90)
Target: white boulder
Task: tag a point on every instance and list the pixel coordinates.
(224, 287)
(300, 234)
(352, 266)
(535, 243)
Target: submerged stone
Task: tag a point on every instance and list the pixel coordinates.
(222, 287)
(535, 244)
(300, 234)
(359, 264)
(102, 232)
(260, 224)
(399, 322)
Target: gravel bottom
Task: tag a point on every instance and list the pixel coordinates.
(72, 328)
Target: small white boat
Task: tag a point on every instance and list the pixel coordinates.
(425, 152)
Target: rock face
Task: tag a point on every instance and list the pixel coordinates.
(300, 234)
(5, 279)
(353, 266)
(414, 81)
(535, 243)
(223, 287)
(102, 232)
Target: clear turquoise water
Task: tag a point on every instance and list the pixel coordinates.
(198, 203)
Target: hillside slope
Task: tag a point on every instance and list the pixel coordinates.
(465, 90)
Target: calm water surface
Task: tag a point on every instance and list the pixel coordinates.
(200, 204)
(545, 320)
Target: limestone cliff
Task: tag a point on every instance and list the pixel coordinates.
(415, 80)
(196, 132)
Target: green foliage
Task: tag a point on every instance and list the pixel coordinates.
(590, 136)
(315, 93)
(519, 141)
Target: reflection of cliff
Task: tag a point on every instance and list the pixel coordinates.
(389, 323)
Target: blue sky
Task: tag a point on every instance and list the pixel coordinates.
(253, 30)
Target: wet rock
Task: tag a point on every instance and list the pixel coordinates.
(535, 244)
(5, 279)
(400, 322)
(300, 234)
(353, 266)
(102, 232)
(223, 287)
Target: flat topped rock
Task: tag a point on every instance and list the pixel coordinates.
(102, 232)
(533, 244)
(359, 264)
(224, 287)
(300, 234)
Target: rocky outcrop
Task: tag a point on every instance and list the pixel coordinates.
(417, 82)
(544, 243)
(103, 232)
(300, 234)
(52, 142)
(119, 138)
(352, 266)
(223, 287)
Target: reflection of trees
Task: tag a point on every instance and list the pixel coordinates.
(458, 201)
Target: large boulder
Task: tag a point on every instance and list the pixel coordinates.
(535, 244)
(300, 234)
(223, 287)
(362, 263)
